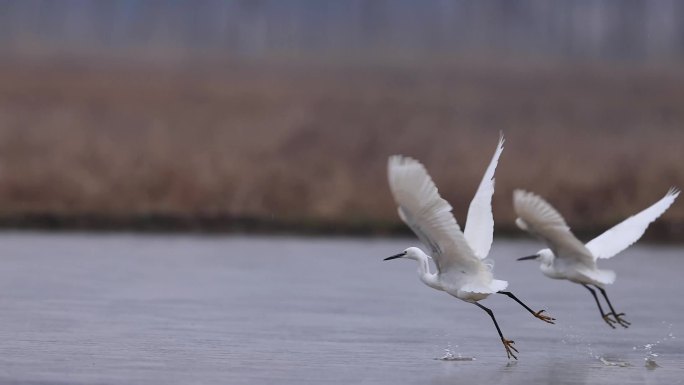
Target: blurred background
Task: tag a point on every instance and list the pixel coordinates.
(267, 115)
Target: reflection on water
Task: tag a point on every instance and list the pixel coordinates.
(124, 309)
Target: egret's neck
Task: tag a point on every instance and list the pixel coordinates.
(424, 273)
(546, 257)
(547, 267)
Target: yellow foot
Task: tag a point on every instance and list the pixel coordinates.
(609, 321)
(621, 321)
(508, 344)
(544, 317)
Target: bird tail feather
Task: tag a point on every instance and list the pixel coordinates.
(606, 277)
(493, 287)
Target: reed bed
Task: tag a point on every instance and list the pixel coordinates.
(297, 145)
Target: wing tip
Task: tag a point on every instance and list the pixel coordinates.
(520, 196)
(673, 192)
(401, 160)
(397, 162)
(520, 192)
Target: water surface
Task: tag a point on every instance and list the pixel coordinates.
(130, 309)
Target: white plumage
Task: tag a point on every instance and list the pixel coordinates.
(460, 270)
(567, 257)
(479, 227)
(459, 257)
(627, 232)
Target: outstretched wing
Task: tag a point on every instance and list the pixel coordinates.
(428, 215)
(625, 233)
(479, 227)
(539, 218)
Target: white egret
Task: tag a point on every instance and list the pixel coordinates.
(568, 258)
(459, 257)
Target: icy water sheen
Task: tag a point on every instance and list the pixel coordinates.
(129, 309)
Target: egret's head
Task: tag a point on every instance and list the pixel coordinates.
(410, 253)
(544, 256)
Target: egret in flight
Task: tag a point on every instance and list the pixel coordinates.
(568, 258)
(459, 257)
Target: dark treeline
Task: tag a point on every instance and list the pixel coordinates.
(635, 30)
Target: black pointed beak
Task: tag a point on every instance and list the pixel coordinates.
(395, 256)
(527, 258)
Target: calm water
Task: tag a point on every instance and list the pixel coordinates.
(125, 309)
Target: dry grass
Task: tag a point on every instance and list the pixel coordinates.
(311, 145)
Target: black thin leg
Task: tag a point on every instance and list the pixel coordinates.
(508, 344)
(491, 314)
(537, 314)
(617, 315)
(606, 317)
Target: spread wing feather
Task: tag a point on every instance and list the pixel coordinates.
(538, 217)
(428, 215)
(625, 233)
(479, 227)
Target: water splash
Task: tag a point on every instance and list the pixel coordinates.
(451, 354)
(581, 345)
(651, 363)
(607, 362)
(650, 359)
(575, 340)
(593, 355)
